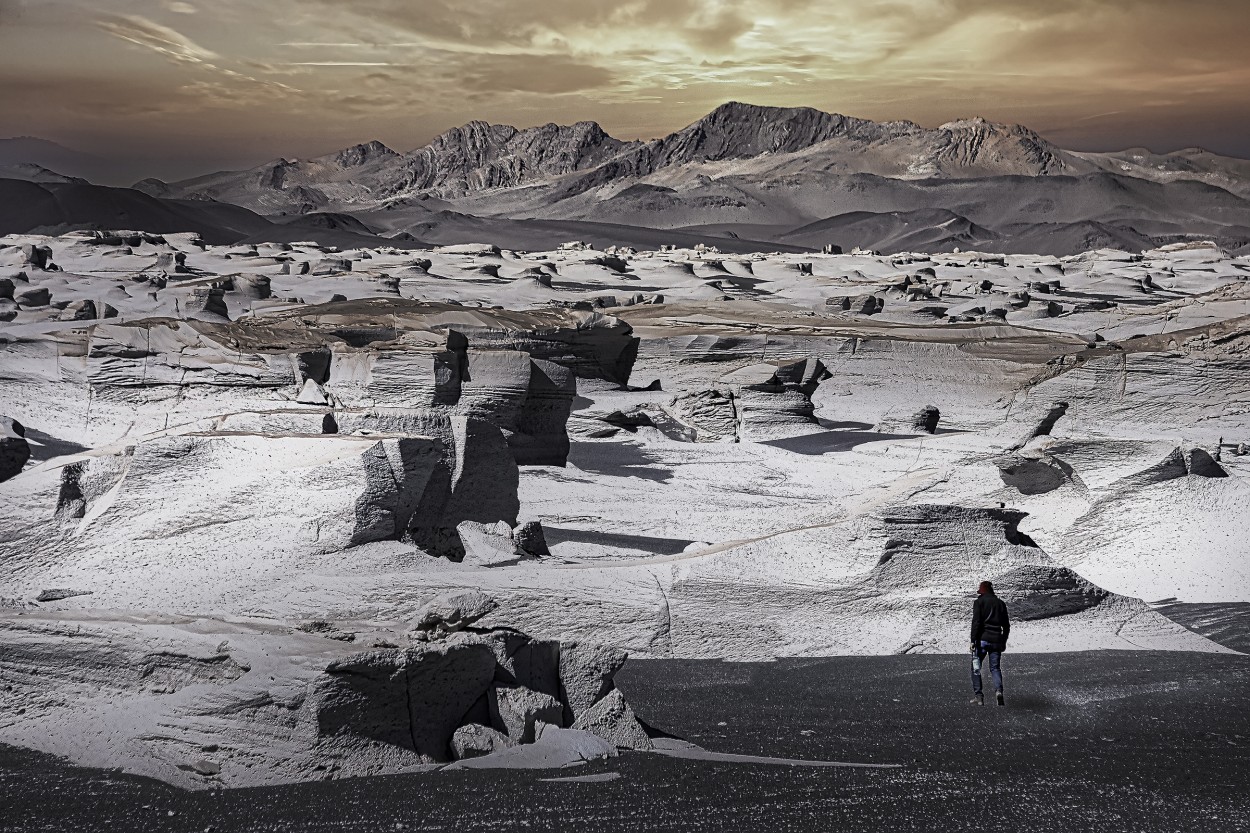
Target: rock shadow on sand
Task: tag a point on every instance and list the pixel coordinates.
(45, 446)
(617, 460)
(832, 442)
(616, 540)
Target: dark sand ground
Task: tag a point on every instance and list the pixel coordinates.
(1106, 741)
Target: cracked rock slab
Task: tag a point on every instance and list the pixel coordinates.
(613, 720)
(475, 740)
(516, 710)
(586, 672)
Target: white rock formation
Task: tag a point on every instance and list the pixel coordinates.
(330, 489)
(203, 703)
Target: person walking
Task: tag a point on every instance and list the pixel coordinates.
(990, 628)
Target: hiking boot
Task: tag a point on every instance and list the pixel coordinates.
(998, 697)
(977, 700)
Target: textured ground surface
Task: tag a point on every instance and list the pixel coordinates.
(1112, 741)
(248, 464)
(1227, 624)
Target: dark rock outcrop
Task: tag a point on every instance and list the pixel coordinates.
(515, 711)
(412, 698)
(1044, 592)
(14, 449)
(613, 720)
(926, 419)
(530, 538)
(469, 694)
(1032, 475)
(586, 672)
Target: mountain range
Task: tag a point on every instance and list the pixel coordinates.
(747, 176)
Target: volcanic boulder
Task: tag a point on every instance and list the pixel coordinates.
(516, 710)
(613, 720)
(586, 672)
(454, 612)
(489, 545)
(474, 740)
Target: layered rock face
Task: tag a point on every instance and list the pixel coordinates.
(775, 399)
(898, 575)
(415, 390)
(757, 402)
(484, 397)
(241, 480)
(196, 520)
(236, 707)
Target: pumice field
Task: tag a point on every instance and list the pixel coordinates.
(286, 513)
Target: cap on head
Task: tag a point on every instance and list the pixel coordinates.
(984, 587)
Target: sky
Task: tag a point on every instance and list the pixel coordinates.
(173, 88)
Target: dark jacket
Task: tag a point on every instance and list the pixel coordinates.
(990, 622)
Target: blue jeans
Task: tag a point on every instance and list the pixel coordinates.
(995, 654)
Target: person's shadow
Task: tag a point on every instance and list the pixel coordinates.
(1029, 701)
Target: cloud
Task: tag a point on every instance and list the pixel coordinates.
(343, 64)
(498, 25)
(1076, 68)
(230, 84)
(161, 39)
(533, 74)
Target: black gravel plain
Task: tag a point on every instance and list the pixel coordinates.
(1099, 741)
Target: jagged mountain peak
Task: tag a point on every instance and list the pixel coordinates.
(360, 154)
(747, 111)
(977, 122)
(480, 155)
(984, 126)
(736, 130)
(978, 144)
(479, 132)
(552, 169)
(475, 132)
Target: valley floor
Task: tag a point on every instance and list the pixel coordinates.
(1103, 740)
